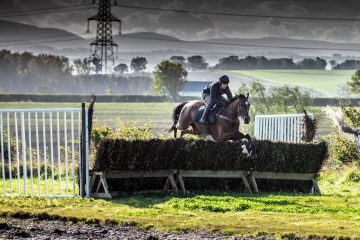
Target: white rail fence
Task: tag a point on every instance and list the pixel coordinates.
(44, 152)
(285, 128)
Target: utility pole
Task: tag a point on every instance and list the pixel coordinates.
(102, 49)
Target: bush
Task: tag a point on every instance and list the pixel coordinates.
(343, 149)
(124, 130)
(353, 175)
(129, 131)
(100, 132)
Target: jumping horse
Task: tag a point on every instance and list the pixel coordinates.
(226, 126)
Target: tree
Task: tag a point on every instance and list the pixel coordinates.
(138, 64)
(229, 63)
(257, 91)
(348, 64)
(280, 99)
(354, 82)
(82, 66)
(309, 63)
(197, 62)
(170, 78)
(284, 98)
(333, 63)
(121, 68)
(178, 59)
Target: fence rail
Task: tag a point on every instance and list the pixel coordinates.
(42, 153)
(285, 128)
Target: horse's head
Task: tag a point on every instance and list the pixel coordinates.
(242, 107)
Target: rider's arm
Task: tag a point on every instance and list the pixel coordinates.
(214, 91)
(228, 93)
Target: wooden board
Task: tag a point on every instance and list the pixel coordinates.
(284, 176)
(212, 174)
(138, 174)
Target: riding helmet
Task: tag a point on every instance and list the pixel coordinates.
(224, 79)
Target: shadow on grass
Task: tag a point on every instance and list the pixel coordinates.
(149, 200)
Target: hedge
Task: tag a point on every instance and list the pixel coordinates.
(156, 154)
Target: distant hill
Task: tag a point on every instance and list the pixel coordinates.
(18, 33)
(159, 46)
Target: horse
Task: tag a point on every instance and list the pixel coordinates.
(226, 126)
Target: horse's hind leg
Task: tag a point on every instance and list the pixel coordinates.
(193, 130)
(186, 131)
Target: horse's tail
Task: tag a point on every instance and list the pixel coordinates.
(175, 118)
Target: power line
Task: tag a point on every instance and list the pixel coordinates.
(238, 14)
(43, 42)
(40, 9)
(242, 45)
(46, 12)
(167, 40)
(37, 38)
(88, 6)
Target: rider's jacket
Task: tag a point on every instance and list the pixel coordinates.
(215, 91)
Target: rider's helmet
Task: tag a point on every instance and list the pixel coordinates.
(224, 79)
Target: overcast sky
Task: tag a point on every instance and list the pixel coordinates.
(203, 26)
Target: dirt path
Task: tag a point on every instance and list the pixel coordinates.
(12, 228)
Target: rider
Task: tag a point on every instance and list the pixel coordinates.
(212, 95)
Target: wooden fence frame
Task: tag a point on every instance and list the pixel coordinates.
(176, 176)
(211, 174)
(113, 174)
(285, 176)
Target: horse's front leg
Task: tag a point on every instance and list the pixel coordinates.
(225, 136)
(234, 136)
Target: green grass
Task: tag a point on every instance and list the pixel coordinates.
(228, 213)
(335, 213)
(323, 81)
(39, 187)
(341, 182)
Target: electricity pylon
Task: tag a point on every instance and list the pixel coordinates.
(103, 47)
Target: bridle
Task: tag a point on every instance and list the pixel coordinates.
(234, 114)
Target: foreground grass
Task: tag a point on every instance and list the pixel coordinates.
(229, 213)
(335, 213)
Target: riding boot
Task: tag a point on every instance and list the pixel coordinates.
(204, 117)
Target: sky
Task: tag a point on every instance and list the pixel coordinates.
(190, 26)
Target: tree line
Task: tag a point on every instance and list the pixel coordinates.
(44, 74)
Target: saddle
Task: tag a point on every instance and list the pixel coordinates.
(212, 117)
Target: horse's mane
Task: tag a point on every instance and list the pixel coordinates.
(236, 97)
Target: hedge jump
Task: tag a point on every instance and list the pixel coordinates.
(276, 161)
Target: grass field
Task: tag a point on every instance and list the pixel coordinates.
(158, 115)
(335, 213)
(326, 82)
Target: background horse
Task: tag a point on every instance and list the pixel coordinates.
(226, 126)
